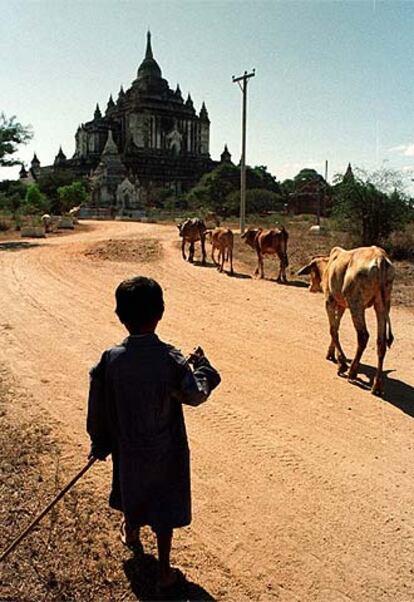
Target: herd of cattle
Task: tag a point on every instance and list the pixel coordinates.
(355, 279)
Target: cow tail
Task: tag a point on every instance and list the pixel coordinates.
(383, 267)
(285, 242)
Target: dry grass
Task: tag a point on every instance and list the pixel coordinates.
(143, 250)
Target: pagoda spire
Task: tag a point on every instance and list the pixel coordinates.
(148, 52)
(204, 113)
(110, 104)
(97, 114)
(189, 101)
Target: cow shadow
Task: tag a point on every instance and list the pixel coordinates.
(239, 275)
(396, 392)
(18, 245)
(297, 283)
(142, 574)
(199, 263)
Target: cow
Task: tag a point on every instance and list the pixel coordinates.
(192, 230)
(355, 279)
(221, 239)
(269, 242)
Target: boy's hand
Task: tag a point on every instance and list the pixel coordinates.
(195, 355)
(97, 455)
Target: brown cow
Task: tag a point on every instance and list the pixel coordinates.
(269, 242)
(356, 279)
(191, 231)
(221, 239)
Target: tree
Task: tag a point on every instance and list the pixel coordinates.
(258, 200)
(214, 188)
(12, 195)
(49, 183)
(307, 175)
(12, 133)
(35, 202)
(259, 177)
(369, 212)
(71, 196)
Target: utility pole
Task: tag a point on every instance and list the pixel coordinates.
(242, 81)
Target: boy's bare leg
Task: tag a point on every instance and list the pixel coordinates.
(167, 574)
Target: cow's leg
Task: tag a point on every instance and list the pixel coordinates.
(378, 385)
(213, 259)
(335, 313)
(191, 252)
(222, 258)
(203, 249)
(183, 249)
(230, 256)
(260, 267)
(279, 276)
(284, 265)
(358, 318)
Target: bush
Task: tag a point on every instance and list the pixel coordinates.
(400, 245)
(71, 196)
(35, 202)
(365, 210)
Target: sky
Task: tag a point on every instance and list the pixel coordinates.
(334, 79)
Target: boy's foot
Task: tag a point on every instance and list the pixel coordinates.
(131, 539)
(172, 587)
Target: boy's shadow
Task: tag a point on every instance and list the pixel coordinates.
(142, 574)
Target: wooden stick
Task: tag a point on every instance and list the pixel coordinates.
(46, 510)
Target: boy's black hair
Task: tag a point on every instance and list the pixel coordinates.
(139, 301)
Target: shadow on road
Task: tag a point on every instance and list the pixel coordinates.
(297, 283)
(396, 392)
(18, 245)
(238, 275)
(142, 573)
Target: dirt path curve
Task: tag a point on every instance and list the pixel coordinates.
(303, 483)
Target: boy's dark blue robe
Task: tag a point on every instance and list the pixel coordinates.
(135, 413)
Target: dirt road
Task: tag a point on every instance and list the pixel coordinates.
(303, 483)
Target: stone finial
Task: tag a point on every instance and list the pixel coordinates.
(110, 104)
(204, 113)
(178, 94)
(97, 114)
(60, 157)
(225, 156)
(349, 174)
(148, 51)
(35, 161)
(189, 101)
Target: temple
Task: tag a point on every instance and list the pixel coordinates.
(149, 138)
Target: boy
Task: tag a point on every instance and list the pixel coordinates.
(135, 413)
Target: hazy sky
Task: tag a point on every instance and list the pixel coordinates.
(334, 80)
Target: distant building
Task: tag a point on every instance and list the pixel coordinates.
(149, 138)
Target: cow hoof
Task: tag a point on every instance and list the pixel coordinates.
(342, 369)
(279, 280)
(331, 357)
(377, 389)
